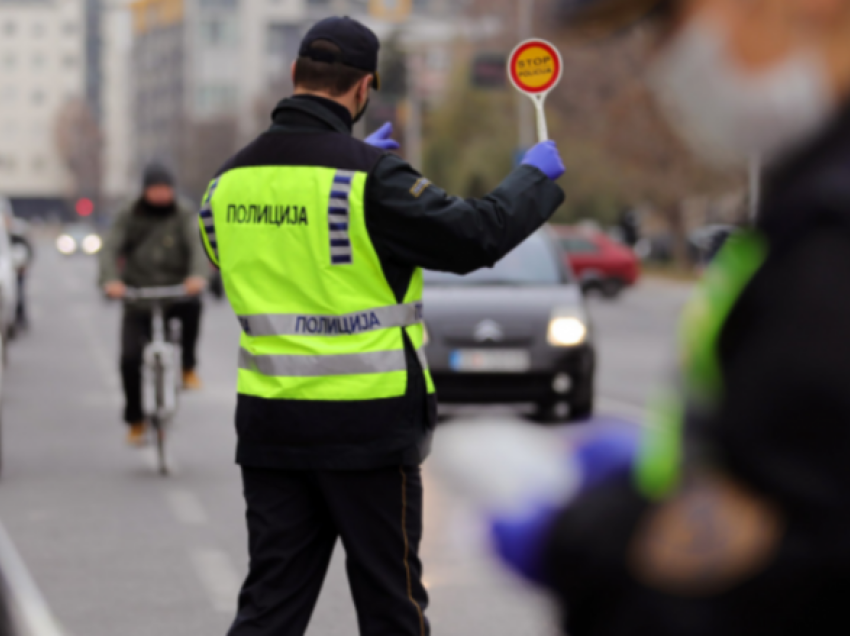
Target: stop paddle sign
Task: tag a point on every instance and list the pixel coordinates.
(535, 68)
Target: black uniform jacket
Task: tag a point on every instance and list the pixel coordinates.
(783, 432)
(412, 223)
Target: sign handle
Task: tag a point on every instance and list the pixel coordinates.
(542, 126)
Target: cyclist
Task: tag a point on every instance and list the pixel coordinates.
(153, 242)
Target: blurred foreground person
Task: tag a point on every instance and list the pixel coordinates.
(320, 239)
(733, 517)
(153, 243)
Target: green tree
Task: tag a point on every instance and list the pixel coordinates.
(470, 140)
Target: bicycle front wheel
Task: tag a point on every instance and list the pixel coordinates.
(159, 421)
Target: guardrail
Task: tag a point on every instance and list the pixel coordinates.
(25, 606)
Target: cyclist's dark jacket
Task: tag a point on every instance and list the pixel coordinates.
(152, 247)
(411, 223)
(783, 431)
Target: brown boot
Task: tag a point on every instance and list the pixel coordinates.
(191, 381)
(138, 434)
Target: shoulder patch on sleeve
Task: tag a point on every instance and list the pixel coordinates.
(419, 187)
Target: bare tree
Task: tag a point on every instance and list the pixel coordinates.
(205, 146)
(618, 149)
(604, 102)
(265, 103)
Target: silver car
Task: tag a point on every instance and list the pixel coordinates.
(516, 333)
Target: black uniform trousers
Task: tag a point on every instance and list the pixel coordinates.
(294, 521)
(136, 334)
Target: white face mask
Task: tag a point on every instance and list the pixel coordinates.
(729, 116)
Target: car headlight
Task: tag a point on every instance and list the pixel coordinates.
(66, 244)
(92, 244)
(567, 331)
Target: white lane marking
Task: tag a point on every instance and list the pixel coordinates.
(218, 576)
(32, 610)
(187, 507)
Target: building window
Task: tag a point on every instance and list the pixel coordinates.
(219, 32)
(9, 61)
(283, 40)
(70, 28)
(38, 61)
(7, 163)
(215, 100)
(37, 30)
(9, 131)
(38, 97)
(8, 94)
(69, 61)
(39, 164)
(9, 28)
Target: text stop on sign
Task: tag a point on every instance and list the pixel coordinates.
(535, 68)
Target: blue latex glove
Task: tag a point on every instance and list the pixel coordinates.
(519, 542)
(547, 159)
(519, 536)
(606, 453)
(382, 138)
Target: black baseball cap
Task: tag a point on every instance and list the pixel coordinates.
(359, 45)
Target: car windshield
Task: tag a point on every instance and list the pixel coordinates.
(79, 231)
(532, 263)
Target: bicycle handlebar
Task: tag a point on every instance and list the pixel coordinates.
(173, 292)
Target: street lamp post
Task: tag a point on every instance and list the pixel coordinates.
(524, 105)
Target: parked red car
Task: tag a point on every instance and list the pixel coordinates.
(599, 262)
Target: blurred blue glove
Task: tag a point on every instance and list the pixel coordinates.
(606, 453)
(382, 138)
(547, 159)
(520, 542)
(519, 534)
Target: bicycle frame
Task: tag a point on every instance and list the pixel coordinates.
(160, 357)
(161, 365)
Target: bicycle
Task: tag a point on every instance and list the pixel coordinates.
(161, 378)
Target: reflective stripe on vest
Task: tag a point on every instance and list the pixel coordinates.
(263, 325)
(658, 469)
(331, 365)
(207, 219)
(339, 210)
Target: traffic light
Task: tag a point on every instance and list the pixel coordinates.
(488, 70)
(84, 207)
(394, 74)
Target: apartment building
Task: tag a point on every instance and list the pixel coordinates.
(43, 67)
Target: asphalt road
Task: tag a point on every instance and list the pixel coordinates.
(116, 549)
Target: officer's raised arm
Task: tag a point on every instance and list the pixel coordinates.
(416, 223)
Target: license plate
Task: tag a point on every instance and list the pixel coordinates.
(490, 360)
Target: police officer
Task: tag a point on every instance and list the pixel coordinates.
(735, 517)
(320, 239)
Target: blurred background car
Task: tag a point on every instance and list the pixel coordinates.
(600, 263)
(8, 290)
(516, 333)
(709, 239)
(701, 244)
(23, 254)
(79, 238)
